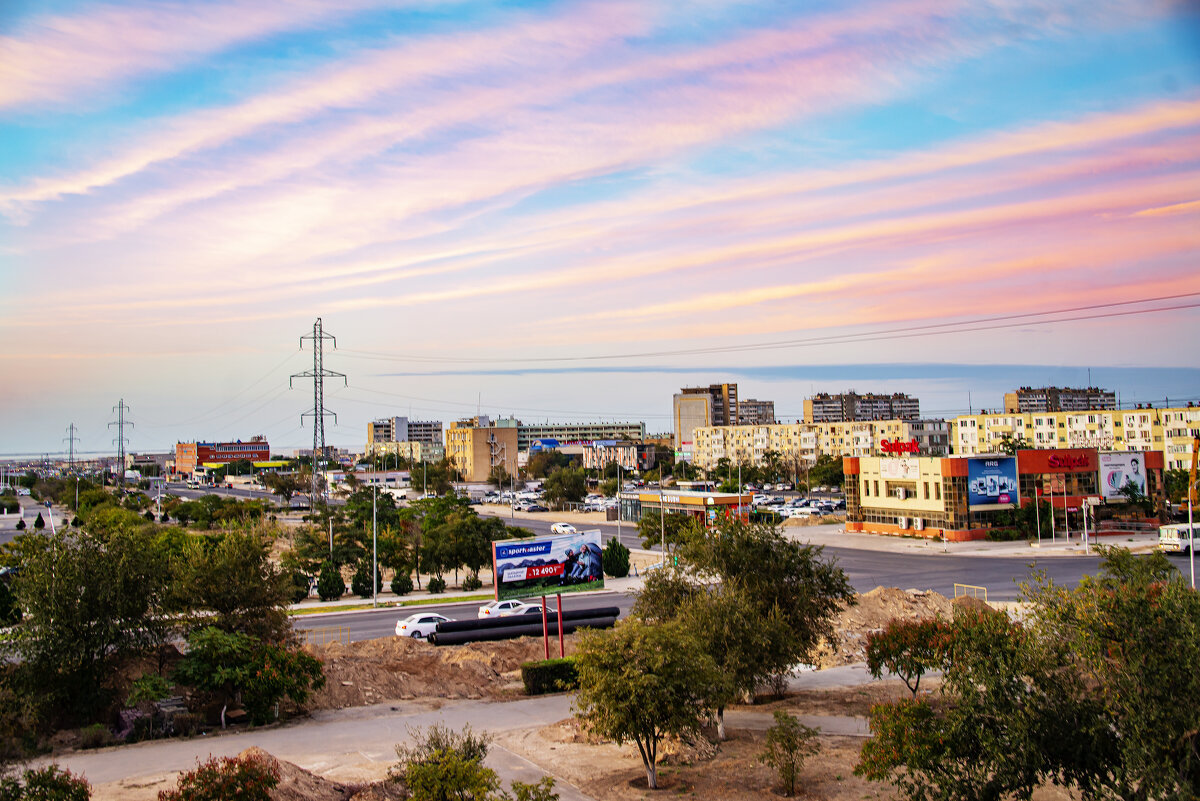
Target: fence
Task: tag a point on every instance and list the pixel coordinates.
(326, 634)
(971, 590)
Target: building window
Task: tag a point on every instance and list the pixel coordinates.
(937, 492)
(926, 490)
(876, 489)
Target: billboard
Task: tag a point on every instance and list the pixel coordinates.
(900, 469)
(1120, 468)
(992, 482)
(548, 565)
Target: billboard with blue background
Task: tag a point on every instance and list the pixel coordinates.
(548, 565)
(992, 482)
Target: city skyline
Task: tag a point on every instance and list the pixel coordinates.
(569, 210)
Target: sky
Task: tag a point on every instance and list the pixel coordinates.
(566, 211)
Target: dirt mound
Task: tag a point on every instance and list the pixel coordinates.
(400, 668)
(872, 613)
(296, 783)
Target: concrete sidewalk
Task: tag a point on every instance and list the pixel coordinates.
(837, 536)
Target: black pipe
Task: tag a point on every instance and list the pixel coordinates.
(511, 632)
(520, 620)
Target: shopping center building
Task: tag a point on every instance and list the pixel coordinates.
(964, 497)
(707, 507)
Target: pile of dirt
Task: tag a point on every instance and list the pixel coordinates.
(296, 783)
(873, 611)
(400, 668)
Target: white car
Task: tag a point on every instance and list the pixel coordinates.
(419, 625)
(562, 528)
(499, 608)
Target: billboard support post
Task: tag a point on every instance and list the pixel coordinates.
(546, 628)
(562, 651)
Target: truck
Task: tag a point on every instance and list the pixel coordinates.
(1174, 538)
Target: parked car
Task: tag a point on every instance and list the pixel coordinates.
(419, 625)
(562, 528)
(525, 609)
(533, 507)
(499, 608)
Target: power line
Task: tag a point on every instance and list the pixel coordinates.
(121, 439)
(955, 327)
(71, 437)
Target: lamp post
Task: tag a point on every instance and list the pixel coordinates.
(1192, 536)
(375, 540)
(662, 519)
(618, 494)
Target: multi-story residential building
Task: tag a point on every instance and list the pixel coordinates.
(401, 429)
(797, 444)
(756, 412)
(852, 407)
(575, 433)
(190, 455)
(1142, 428)
(690, 411)
(1058, 399)
(478, 445)
(724, 401)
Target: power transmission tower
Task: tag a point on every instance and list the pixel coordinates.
(121, 439)
(318, 374)
(71, 452)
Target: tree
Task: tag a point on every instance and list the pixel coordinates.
(234, 585)
(1010, 444)
(39, 523)
(615, 559)
(909, 649)
(565, 485)
(1133, 494)
(826, 471)
(217, 662)
(285, 485)
(542, 463)
(1094, 694)
(86, 602)
(676, 529)
(498, 476)
(789, 742)
(360, 582)
(50, 783)
(330, 584)
(444, 765)
(642, 682)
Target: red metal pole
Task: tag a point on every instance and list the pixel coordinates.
(545, 628)
(562, 651)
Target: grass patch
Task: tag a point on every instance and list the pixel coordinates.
(321, 610)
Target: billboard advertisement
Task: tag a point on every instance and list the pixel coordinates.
(900, 469)
(992, 482)
(548, 565)
(1120, 468)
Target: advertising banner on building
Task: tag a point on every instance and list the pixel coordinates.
(900, 469)
(992, 482)
(1120, 468)
(548, 565)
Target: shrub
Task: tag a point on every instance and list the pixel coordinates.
(76, 522)
(149, 687)
(245, 778)
(472, 582)
(330, 585)
(1004, 535)
(360, 582)
(149, 515)
(789, 743)
(615, 559)
(164, 517)
(549, 676)
(909, 649)
(38, 524)
(444, 764)
(46, 784)
(402, 584)
(436, 584)
(20, 525)
(95, 736)
(299, 584)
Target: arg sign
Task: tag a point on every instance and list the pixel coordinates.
(548, 565)
(992, 482)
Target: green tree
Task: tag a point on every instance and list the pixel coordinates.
(39, 523)
(909, 649)
(330, 584)
(87, 602)
(676, 529)
(565, 485)
(217, 662)
(615, 559)
(1010, 444)
(788, 743)
(360, 582)
(1134, 496)
(498, 476)
(640, 682)
(50, 783)
(543, 463)
(234, 584)
(444, 765)
(826, 472)
(285, 485)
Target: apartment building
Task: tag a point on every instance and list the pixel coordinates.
(756, 412)
(852, 407)
(476, 446)
(190, 455)
(1027, 400)
(796, 444)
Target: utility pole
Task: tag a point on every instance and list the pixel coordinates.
(71, 452)
(121, 439)
(318, 374)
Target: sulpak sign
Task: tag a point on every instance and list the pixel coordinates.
(893, 446)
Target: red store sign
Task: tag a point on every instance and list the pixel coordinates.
(896, 446)
(1069, 460)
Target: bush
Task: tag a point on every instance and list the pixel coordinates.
(95, 736)
(436, 584)
(330, 584)
(615, 559)
(549, 676)
(909, 649)
(20, 525)
(472, 582)
(244, 778)
(76, 522)
(360, 582)
(789, 743)
(299, 585)
(40, 523)
(444, 764)
(149, 687)
(402, 584)
(149, 516)
(164, 517)
(1004, 535)
(46, 784)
